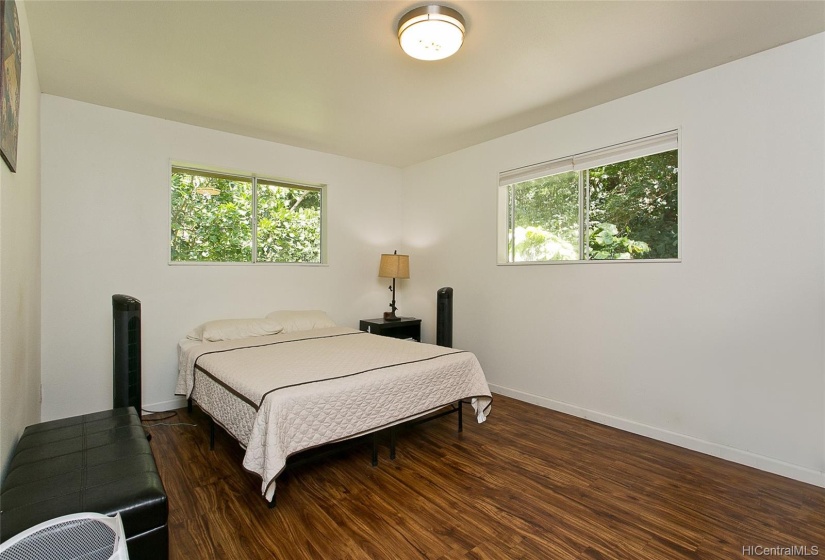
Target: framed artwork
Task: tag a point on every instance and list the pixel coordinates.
(10, 82)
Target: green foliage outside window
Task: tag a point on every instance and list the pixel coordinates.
(632, 213)
(213, 215)
(545, 218)
(640, 199)
(289, 224)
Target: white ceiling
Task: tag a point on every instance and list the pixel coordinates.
(330, 76)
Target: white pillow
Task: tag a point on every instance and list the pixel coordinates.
(231, 329)
(301, 320)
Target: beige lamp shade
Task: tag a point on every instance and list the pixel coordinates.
(394, 266)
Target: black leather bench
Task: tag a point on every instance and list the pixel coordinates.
(98, 462)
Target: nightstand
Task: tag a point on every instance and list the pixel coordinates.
(406, 327)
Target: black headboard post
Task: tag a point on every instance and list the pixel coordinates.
(444, 319)
(126, 352)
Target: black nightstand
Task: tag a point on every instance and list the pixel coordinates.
(406, 327)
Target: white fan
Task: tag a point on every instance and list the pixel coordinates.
(80, 536)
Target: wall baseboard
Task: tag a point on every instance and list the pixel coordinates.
(177, 402)
(760, 462)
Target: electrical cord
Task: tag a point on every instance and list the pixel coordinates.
(152, 422)
(169, 414)
(158, 411)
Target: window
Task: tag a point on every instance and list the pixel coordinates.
(617, 203)
(228, 218)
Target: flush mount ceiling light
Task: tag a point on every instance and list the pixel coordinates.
(431, 32)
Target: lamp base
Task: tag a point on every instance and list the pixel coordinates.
(390, 316)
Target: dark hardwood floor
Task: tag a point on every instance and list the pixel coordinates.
(528, 483)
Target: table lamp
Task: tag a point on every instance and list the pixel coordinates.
(393, 266)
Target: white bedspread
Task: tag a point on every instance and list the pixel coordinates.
(315, 387)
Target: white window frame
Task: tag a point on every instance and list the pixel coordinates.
(645, 146)
(253, 178)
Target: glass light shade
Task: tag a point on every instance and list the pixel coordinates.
(431, 32)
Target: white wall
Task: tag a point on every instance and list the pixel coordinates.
(105, 231)
(20, 264)
(722, 352)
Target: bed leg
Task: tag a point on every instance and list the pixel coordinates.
(189, 405)
(460, 419)
(271, 504)
(393, 432)
(211, 434)
(375, 449)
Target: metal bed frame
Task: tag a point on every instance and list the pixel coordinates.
(374, 436)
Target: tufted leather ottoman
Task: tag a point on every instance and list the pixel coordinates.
(98, 462)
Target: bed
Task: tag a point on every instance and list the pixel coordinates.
(300, 388)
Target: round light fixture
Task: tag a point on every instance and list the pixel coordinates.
(431, 32)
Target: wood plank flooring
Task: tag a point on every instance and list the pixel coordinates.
(528, 483)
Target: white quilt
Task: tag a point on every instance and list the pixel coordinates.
(304, 389)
